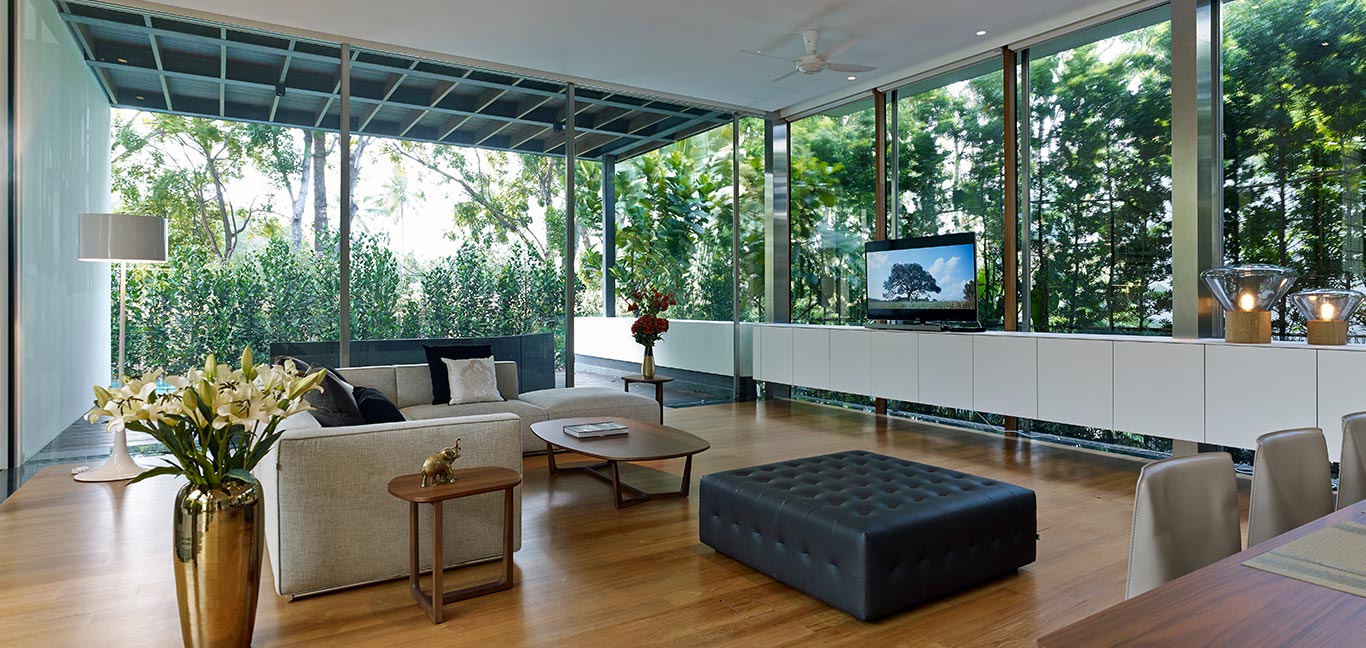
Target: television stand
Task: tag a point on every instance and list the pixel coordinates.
(907, 326)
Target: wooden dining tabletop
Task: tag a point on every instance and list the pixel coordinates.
(1230, 604)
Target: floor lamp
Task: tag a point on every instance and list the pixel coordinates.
(121, 238)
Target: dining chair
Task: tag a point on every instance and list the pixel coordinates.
(1185, 517)
(1352, 470)
(1291, 483)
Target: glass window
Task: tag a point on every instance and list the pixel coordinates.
(1100, 192)
(949, 177)
(833, 189)
(1293, 137)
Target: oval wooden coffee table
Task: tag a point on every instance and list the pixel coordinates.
(644, 442)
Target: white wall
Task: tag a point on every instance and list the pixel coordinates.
(63, 152)
(692, 345)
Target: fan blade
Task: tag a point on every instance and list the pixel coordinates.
(841, 46)
(783, 76)
(844, 67)
(758, 53)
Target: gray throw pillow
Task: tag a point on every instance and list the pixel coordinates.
(335, 406)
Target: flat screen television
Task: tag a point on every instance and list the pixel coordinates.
(925, 279)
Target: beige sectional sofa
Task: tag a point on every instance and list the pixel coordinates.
(330, 521)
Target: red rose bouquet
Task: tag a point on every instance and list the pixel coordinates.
(649, 327)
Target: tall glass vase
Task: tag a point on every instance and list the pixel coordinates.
(647, 365)
(218, 538)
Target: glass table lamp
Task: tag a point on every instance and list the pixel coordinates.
(1247, 293)
(1327, 310)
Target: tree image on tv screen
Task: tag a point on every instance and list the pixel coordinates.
(909, 281)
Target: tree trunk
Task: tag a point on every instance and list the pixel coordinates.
(296, 221)
(319, 192)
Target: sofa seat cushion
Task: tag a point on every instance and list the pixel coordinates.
(867, 533)
(527, 412)
(593, 401)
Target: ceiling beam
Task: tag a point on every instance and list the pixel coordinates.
(395, 81)
(284, 74)
(156, 55)
(102, 76)
(439, 94)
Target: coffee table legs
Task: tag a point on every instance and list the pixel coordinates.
(610, 472)
(433, 604)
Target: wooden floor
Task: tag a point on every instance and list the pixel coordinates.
(89, 564)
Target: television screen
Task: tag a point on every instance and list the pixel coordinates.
(932, 278)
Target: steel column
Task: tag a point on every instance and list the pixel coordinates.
(344, 262)
(1024, 170)
(735, 256)
(894, 202)
(1197, 210)
(1011, 235)
(880, 165)
(570, 234)
(609, 235)
(777, 226)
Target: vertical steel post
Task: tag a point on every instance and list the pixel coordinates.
(735, 255)
(880, 165)
(1011, 234)
(570, 232)
(1197, 210)
(609, 235)
(344, 262)
(777, 230)
(894, 202)
(1024, 170)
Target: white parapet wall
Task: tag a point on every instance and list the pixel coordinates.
(691, 345)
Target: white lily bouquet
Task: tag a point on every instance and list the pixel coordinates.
(217, 423)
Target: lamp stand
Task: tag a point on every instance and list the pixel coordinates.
(1328, 332)
(120, 465)
(1247, 327)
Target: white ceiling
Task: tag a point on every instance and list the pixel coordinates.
(685, 48)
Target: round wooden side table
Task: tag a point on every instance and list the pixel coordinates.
(468, 481)
(658, 381)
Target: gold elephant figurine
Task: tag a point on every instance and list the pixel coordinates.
(437, 468)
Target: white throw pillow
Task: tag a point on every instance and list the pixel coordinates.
(472, 381)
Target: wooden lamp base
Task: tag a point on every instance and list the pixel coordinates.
(1244, 327)
(1327, 332)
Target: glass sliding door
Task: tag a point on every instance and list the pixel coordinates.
(833, 180)
(949, 176)
(1100, 191)
(1294, 122)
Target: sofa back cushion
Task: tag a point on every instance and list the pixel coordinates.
(381, 378)
(414, 383)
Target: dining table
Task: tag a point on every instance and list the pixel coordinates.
(1229, 603)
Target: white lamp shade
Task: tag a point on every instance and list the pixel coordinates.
(122, 237)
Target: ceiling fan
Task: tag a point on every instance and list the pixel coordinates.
(815, 63)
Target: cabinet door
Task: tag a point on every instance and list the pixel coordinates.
(895, 365)
(811, 357)
(1005, 371)
(850, 361)
(946, 370)
(1077, 382)
(776, 355)
(757, 351)
(1252, 390)
(1341, 392)
(1160, 389)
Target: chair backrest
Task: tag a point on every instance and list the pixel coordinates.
(1291, 483)
(1352, 470)
(1185, 517)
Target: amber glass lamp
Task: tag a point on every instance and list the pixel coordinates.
(1327, 310)
(1248, 293)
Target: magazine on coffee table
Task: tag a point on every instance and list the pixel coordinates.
(595, 430)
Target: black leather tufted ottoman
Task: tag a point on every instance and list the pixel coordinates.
(867, 533)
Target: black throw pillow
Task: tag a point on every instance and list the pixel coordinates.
(441, 386)
(375, 407)
(335, 406)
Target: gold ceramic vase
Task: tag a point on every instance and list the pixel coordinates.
(218, 536)
(647, 365)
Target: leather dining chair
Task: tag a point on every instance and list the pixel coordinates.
(1185, 517)
(1291, 483)
(1352, 470)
